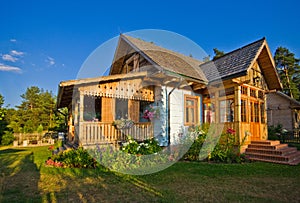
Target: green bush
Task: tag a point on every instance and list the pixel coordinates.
(149, 146)
(225, 151)
(193, 153)
(78, 158)
(274, 132)
(8, 138)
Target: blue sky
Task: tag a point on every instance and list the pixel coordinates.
(45, 42)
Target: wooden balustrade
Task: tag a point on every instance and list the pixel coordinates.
(105, 132)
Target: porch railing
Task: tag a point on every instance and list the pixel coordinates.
(105, 132)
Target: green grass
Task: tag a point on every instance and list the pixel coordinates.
(25, 178)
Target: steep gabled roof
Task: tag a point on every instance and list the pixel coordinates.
(164, 59)
(238, 62)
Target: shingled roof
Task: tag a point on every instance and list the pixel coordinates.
(166, 59)
(238, 62)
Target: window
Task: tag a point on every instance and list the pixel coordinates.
(209, 113)
(254, 112)
(244, 110)
(121, 108)
(92, 108)
(226, 111)
(244, 90)
(262, 113)
(191, 116)
(253, 93)
(261, 94)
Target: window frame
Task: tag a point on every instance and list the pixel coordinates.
(195, 107)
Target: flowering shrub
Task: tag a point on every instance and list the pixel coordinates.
(78, 158)
(225, 150)
(149, 146)
(118, 160)
(50, 162)
(151, 113)
(123, 123)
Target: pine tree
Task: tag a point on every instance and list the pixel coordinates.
(218, 53)
(289, 71)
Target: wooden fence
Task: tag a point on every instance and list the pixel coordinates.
(104, 132)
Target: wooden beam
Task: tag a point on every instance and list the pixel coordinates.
(198, 86)
(186, 84)
(169, 80)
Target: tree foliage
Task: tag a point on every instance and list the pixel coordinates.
(35, 113)
(3, 122)
(218, 53)
(288, 69)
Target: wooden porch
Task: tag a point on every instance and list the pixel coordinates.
(91, 133)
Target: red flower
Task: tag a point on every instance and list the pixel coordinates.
(230, 131)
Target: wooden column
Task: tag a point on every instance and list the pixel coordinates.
(217, 110)
(237, 112)
(81, 110)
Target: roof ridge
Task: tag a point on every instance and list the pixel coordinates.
(238, 49)
(161, 47)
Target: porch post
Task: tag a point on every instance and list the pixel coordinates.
(81, 109)
(237, 113)
(76, 123)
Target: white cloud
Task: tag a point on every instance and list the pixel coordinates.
(50, 61)
(13, 40)
(8, 68)
(7, 57)
(16, 53)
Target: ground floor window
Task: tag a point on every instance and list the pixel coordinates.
(121, 108)
(92, 108)
(227, 110)
(209, 113)
(191, 112)
(262, 112)
(244, 110)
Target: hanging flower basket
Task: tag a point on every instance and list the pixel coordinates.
(123, 124)
(151, 113)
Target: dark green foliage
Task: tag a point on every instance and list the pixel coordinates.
(193, 153)
(274, 132)
(218, 53)
(36, 113)
(288, 69)
(79, 158)
(7, 138)
(3, 120)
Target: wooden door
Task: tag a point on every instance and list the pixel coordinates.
(255, 121)
(107, 110)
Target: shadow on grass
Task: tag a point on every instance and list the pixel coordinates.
(94, 185)
(10, 150)
(19, 176)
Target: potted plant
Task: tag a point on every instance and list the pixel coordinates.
(123, 123)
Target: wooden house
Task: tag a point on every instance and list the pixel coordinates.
(283, 110)
(229, 91)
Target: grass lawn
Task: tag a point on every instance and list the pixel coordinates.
(24, 178)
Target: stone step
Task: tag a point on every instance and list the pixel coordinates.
(266, 142)
(274, 158)
(281, 151)
(266, 146)
(273, 151)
